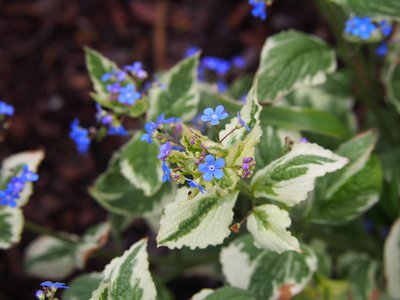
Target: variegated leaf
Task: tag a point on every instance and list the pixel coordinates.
(289, 60)
(289, 178)
(223, 293)
(388, 9)
(177, 95)
(140, 165)
(392, 261)
(267, 223)
(11, 226)
(198, 222)
(267, 275)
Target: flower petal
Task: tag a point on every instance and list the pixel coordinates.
(214, 121)
(205, 118)
(220, 163)
(218, 173)
(209, 111)
(208, 176)
(209, 159)
(203, 168)
(219, 110)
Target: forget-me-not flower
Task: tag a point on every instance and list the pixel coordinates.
(214, 116)
(166, 171)
(362, 27)
(54, 285)
(195, 185)
(6, 109)
(212, 168)
(117, 130)
(382, 49)
(80, 136)
(128, 94)
(165, 151)
(385, 28)
(259, 9)
(137, 69)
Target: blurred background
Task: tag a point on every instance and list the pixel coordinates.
(43, 75)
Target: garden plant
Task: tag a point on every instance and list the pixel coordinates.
(283, 184)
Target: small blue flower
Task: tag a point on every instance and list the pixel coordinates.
(149, 127)
(114, 88)
(6, 109)
(128, 95)
(167, 172)
(191, 51)
(107, 76)
(27, 175)
(218, 65)
(303, 140)
(212, 168)
(361, 27)
(137, 69)
(386, 28)
(8, 197)
(382, 49)
(259, 9)
(54, 285)
(242, 122)
(102, 116)
(117, 130)
(121, 76)
(80, 136)
(40, 295)
(195, 185)
(222, 86)
(214, 116)
(239, 62)
(165, 151)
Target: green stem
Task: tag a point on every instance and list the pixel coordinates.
(119, 247)
(33, 227)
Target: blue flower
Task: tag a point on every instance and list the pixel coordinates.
(54, 285)
(6, 109)
(28, 176)
(165, 151)
(117, 130)
(222, 86)
(386, 28)
(239, 62)
(167, 172)
(128, 94)
(121, 76)
(195, 185)
(242, 122)
(114, 88)
(8, 197)
(107, 76)
(40, 295)
(191, 51)
(382, 49)
(361, 27)
(259, 9)
(212, 168)
(80, 136)
(137, 69)
(102, 116)
(218, 65)
(149, 127)
(214, 116)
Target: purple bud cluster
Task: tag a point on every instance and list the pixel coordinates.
(10, 195)
(247, 167)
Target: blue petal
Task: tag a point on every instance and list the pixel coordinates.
(219, 110)
(209, 111)
(220, 163)
(205, 118)
(218, 173)
(209, 159)
(214, 122)
(208, 176)
(223, 116)
(203, 168)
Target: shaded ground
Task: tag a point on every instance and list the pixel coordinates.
(43, 75)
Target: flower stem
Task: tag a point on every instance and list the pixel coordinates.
(33, 227)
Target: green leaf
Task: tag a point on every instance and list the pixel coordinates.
(81, 287)
(353, 198)
(392, 262)
(230, 293)
(32, 159)
(178, 94)
(11, 226)
(268, 275)
(128, 276)
(267, 223)
(97, 66)
(391, 77)
(388, 9)
(140, 165)
(198, 222)
(50, 258)
(306, 119)
(290, 60)
(289, 178)
(116, 194)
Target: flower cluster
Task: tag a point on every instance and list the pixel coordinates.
(80, 136)
(10, 195)
(259, 9)
(190, 158)
(6, 109)
(121, 86)
(364, 27)
(113, 125)
(49, 290)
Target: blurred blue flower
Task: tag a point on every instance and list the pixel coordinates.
(242, 122)
(239, 62)
(382, 49)
(117, 130)
(40, 295)
(259, 9)
(191, 51)
(54, 285)
(361, 27)
(167, 172)
(195, 185)
(6, 109)
(137, 69)
(80, 136)
(165, 151)
(386, 28)
(214, 116)
(128, 94)
(218, 65)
